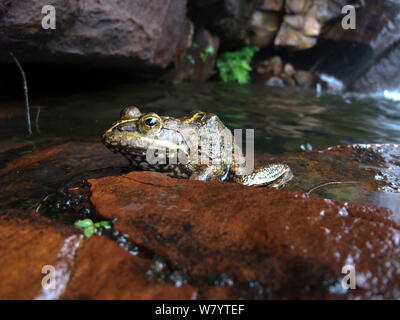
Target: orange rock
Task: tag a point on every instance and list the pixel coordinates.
(258, 242)
(28, 242)
(105, 271)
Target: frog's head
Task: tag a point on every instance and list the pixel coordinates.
(135, 133)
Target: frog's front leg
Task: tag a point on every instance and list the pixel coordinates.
(273, 175)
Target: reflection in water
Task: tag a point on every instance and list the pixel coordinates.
(388, 200)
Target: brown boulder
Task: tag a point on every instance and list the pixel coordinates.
(260, 242)
(28, 242)
(135, 34)
(263, 27)
(272, 5)
(103, 270)
(197, 61)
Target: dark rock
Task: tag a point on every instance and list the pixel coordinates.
(271, 5)
(290, 246)
(371, 51)
(273, 66)
(227, 18)
(136, 35)
(382, 74)
(263, 27)
(304, 79)
(35, 175)
(197, 62)
(274, 74)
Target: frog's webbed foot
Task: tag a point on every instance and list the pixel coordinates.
(273, 176)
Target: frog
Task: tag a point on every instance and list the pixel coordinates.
(171, 145)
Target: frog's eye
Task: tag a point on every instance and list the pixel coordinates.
(150, 123)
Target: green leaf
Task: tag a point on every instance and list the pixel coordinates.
(235, 66)
(104, 224)
(89, 231)
(84, 223)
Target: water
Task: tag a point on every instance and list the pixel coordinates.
(284, 119)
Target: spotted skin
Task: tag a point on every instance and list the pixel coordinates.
(137, 134)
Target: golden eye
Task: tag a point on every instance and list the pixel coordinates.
(150, 123)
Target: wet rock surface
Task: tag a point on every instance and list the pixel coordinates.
(354, 173)
(182, 239)
(280, 242)
(28, 242)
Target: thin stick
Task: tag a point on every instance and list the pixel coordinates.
(28, 111)
(37, 120)
(329, 183)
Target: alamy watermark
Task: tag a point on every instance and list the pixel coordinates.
(49, 20)
(350, 278)
(49, 280)
(208, 149)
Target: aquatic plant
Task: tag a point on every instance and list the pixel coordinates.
(89, 228)
(235, 65)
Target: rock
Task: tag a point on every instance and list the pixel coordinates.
(289, 70)
(135, 35)
(312, 27)
(35, 175)
(274, 82)
(295, 21)
(271, 5)
(297, 6)
(304, 79)
(103, 270)
(366, 58)
(262, 243)
(226, 18)
(197, 241)
(271, 67)
(382, 74)
(263, 27)
(84, 268)
(198, 60)
(355, 173)
(29, 242)
(274, 74)
(290, 37)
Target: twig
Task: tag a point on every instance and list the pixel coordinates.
(330, 183)
(37, 120)
(28, 112)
